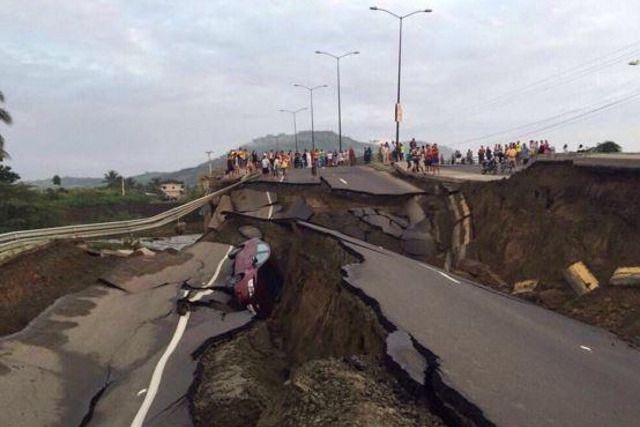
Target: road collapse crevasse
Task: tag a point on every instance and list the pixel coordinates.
(319, 317)
(320, 334)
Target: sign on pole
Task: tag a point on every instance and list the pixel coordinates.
(398, 113)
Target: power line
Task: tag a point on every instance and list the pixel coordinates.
(564, 77)
(593, 108)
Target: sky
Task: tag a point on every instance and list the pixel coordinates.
(150, 85)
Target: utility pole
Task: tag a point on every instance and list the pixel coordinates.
(122, 185)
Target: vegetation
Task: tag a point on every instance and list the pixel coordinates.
(56, 180)
(606, 147)
(7, 176)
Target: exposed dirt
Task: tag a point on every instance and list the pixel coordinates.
(32, 282)
(318, 360)
(536, 224)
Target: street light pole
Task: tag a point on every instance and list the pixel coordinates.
(209, 157)
(401, 18)
(311, 89)
(295, 127)
(338, 58)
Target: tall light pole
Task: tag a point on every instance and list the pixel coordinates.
(311, 89)
(401, 18)
(338, 58)
(295, 127)
(209, 157)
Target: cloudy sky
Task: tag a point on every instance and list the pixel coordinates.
(142, 85)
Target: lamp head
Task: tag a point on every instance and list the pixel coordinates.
(635, 62)
(428, 11)
(374, 8)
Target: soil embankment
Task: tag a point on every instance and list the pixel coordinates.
(537, 223)
(32, 282)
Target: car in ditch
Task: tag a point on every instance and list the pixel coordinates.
(255, 281)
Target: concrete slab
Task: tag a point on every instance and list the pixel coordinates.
(250, 232)
(580, 278)
(218, 217)
(298, 209)
(266, 212)
(247, 200)
(626, 276)
(195, 264)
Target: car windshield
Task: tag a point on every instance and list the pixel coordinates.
(262, 253)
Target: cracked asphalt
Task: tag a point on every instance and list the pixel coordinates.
(89, 358)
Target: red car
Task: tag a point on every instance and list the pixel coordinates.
(256, 283)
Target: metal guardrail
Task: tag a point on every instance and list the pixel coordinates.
(17, 241)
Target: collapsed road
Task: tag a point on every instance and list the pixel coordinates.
(119, 353)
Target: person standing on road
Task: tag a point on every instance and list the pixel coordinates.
(265, 165)
(481, 155)
(435, 157)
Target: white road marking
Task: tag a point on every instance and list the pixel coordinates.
(270, 205)
(156, 377)
(445, 275)
(344, 182)
(584, 347)
(143, 391)
(217, 272)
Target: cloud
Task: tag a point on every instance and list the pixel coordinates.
(145, 85)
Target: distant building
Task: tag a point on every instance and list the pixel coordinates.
(172, 190)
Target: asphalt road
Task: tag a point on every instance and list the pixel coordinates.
(109, 357)
(357, 179)
(510, 362)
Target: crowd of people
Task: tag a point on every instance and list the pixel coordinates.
(419, 158)
(276, 163)
(425, 158)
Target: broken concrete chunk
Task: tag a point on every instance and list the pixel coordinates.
(401, 350)
(524, 287)
(359, 212)
(414, 211)
(218, 217)
(626, 276)
(144, 252)
(121, 253)
(580, 278)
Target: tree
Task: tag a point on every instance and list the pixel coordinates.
(111, 179)
(153, 186)
(606, 147)
(6, 118)
(7, 176)
(56, 180)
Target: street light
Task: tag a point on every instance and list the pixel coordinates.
(635, 62)
(338, 58)
(295, 128)
(311, 89)
(398, 110)
(208, 153)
